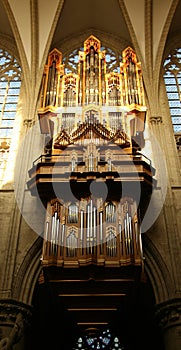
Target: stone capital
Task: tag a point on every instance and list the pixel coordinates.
(168, 314)
(15, 317)
(155, 120)
(28, 123)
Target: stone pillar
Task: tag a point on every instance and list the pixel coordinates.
(168, 316)
(15, 319)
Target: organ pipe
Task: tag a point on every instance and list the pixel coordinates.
(121, 240)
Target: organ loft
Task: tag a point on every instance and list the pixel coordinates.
(92, 177)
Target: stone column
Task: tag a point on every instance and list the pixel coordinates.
(15, 318)
(168, 316)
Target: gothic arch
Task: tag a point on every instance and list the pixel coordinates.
(72, 42)
(8, 45)
(28, 273)
(157, 271)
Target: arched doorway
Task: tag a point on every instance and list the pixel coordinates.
(60, 318)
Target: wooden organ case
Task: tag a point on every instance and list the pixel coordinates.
(92, 176)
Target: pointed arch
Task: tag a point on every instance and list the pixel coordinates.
(157, 271)
(28, 273)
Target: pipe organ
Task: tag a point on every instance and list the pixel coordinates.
(94, 121)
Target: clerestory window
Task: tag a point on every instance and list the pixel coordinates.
(10, 82)
(172, 78)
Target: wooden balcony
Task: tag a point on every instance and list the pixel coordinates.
(48, 173)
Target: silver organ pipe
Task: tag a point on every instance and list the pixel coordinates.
(94, 225)
(120, 239)
(101, 231)
(62, 239)
(82, 230)
(88, 230)
(140, 246)
(137, 238)
(128, 233)
(52, 235)
(94, 236)
(131, 235)
(57, 235)
(91, 216)
(71, 244)
(45, 243)
(111, 245)
(126, 237)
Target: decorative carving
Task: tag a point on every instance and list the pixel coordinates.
(4, 145)
(93, 130)
(178, 141)
(169, 313)
(15, 334)
(4, 149)
(155, 120)
(28, 123)
(16, 316)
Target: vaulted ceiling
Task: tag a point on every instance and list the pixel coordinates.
(44, 23)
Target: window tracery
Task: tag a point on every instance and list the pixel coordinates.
(10, 82)
(113, 60)
(96, 339)
(172, 78)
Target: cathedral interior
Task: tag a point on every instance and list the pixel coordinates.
(90, 185)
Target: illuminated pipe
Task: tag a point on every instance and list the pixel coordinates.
(91, 219)
(88, 229)
(128, 231)
(137, 236)
(45, 238)
(126, 236)
(101, 227)
(141, 246)
(94, 222)
(63, 233)
(81, 224)
(57, 235)
(131, 234)
(52, 234)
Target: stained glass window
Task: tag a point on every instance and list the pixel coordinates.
(98, 340)
(10, 81)
(172, 78)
